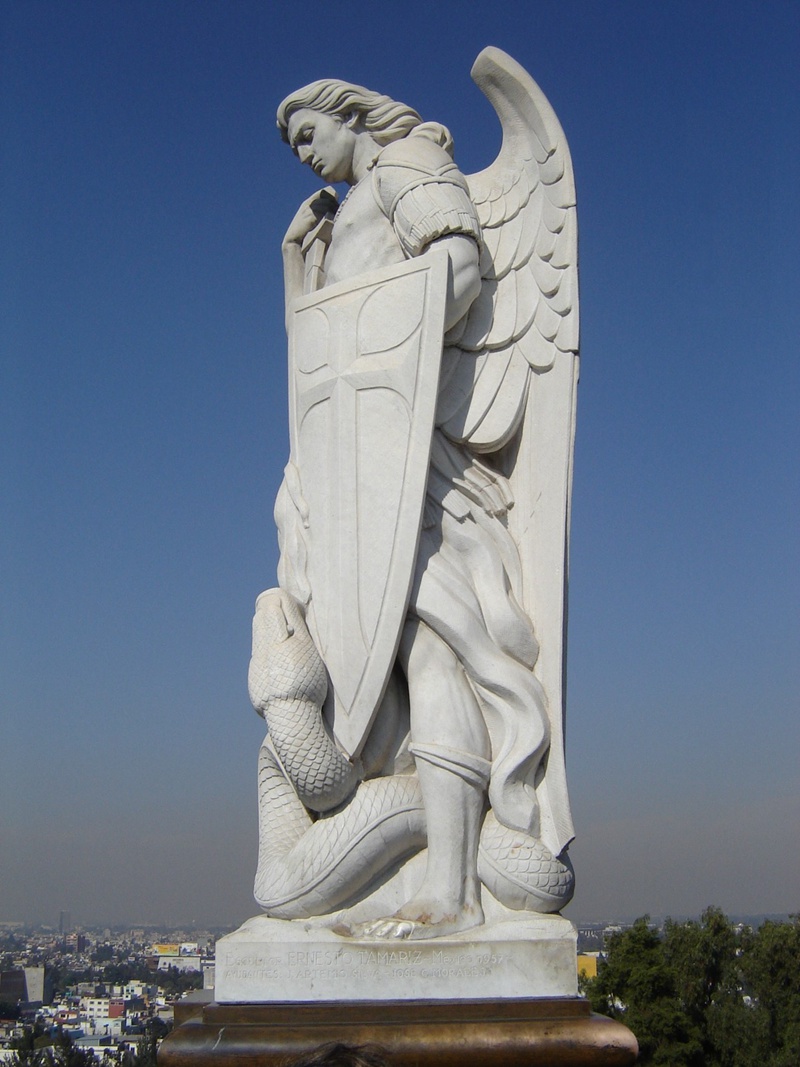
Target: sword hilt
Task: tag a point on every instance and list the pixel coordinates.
(314, 247)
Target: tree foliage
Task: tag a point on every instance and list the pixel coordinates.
(176, 982)
(36, 1046)
(145, 1056)
(704, 993)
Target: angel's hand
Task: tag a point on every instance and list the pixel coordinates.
(309, 214)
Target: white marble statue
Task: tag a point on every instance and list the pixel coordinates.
(410, 665)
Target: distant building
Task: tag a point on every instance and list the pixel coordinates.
(135, 990)
(182, 955)
(175, 948)
(116, 1007)
(23, 985)
(85, 989)
(104, 1015)
(180, 963)
(13, 989)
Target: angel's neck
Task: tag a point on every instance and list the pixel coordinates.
(364, 155)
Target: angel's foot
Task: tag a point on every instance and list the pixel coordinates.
(416, 921)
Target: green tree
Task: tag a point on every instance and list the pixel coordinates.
(23, 1045)
(704, 994)
(635, 985)
(37, 1047)
(65, 1053)
(771, 971)
(122, 973)
(175, 982)
(147, 1050)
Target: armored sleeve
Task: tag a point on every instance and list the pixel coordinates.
(423, 194)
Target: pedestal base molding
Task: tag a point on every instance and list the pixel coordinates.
(439, 1033)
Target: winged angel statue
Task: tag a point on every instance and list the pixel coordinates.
(410, 665)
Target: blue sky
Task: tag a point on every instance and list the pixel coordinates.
(143, 430)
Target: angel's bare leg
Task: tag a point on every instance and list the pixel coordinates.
(451, 749)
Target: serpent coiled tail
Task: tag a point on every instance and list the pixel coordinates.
(522, 872)
(288, 683)
(308, 867)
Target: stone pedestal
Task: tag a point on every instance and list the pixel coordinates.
(503, 994)
(515, 955)
(429, 1033)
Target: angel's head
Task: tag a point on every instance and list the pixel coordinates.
(323, 121)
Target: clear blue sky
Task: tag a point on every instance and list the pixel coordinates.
(143, 427)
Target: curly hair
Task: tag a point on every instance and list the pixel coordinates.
(386, 120)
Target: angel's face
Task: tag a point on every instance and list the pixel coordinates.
(324, 142)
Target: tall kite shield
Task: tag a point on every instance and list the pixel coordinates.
(364, 372)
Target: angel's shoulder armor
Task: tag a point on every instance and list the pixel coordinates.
(423, 193)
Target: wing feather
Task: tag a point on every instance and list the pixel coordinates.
(528, 299)
(553, 216)
(463, 372)
(533, 234)
(552, 170)
(546, 244)
(547, 277)
(480, 319)
(565, 245)
(497, 214)
(539, 353)
(505, 258)
(489, 255)
(563, 298)
(546, 320)
(500, 381)
(505, 312)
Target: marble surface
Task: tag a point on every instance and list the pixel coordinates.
(269, 960)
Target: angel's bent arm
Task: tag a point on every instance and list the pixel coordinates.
(464, 279)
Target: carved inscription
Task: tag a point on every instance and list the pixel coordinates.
(371, 964)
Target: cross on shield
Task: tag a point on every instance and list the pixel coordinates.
(363, 375)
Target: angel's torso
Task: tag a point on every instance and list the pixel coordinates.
(412, 194)
(363, 237)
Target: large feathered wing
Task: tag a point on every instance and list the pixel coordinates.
(511, 367)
